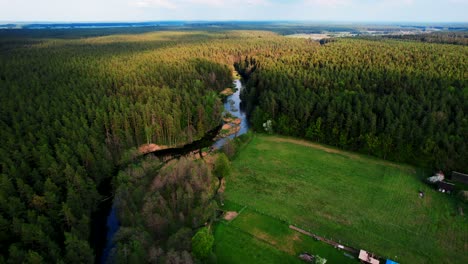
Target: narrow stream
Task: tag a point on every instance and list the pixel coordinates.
(232, 106)
(112, 228)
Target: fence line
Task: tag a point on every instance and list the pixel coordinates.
(283, 220)
(350, 247)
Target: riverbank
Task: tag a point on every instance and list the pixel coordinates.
(235, 121)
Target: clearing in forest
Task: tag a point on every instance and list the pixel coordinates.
(353, 199)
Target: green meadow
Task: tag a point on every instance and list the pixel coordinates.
(253, 237)
(353, 199)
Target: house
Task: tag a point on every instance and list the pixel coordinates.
(367, 257)
(445, 187)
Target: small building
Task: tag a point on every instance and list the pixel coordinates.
(307, 257)
(459, 177)
(389, 261)
(445, 187)
(367, 257)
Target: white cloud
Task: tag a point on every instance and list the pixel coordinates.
(387, 4)
(397, 2)
(207, 2)
(257, 2)
(329, 3)
(173, 4)
(227, 3)
(362, 3)
(155, 3)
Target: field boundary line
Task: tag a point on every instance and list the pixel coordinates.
(284, 221)
(238, 214)
(241, 210)
(328, 241)
(349, 154)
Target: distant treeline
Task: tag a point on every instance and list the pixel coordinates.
(458, 38)
(280, 27)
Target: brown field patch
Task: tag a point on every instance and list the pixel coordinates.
(265, 237)
(147, 148)
(230, 215)
(296, 237)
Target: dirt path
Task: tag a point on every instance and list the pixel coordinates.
(337, 151)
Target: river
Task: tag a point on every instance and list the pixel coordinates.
(232, 106)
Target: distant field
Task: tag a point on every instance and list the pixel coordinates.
(362, 202)
(322, 36)
(310, 36)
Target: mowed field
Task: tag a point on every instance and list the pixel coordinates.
(359, 201)
(253, 237)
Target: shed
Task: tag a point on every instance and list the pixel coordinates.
(447, 187)
(389, 261)
(460, 177)
(307, 257)
(367, 257)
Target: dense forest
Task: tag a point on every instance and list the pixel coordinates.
(68, 109)
(71, 105)
(402, 101)
(157, 223)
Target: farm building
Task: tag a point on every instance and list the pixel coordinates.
(307, 257)
(367, 257)
(459, 177)
(447, 187)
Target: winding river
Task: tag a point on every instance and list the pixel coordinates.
(232, 106)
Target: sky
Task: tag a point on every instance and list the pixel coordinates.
(221, 10)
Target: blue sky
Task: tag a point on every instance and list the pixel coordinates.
(312, 10)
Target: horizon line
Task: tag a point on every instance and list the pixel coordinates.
(228, 20)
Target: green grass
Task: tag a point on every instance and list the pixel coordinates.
(256, 238)
(235, 246)
(353, 199)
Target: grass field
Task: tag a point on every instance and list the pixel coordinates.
(253, 237)
(353, 199)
